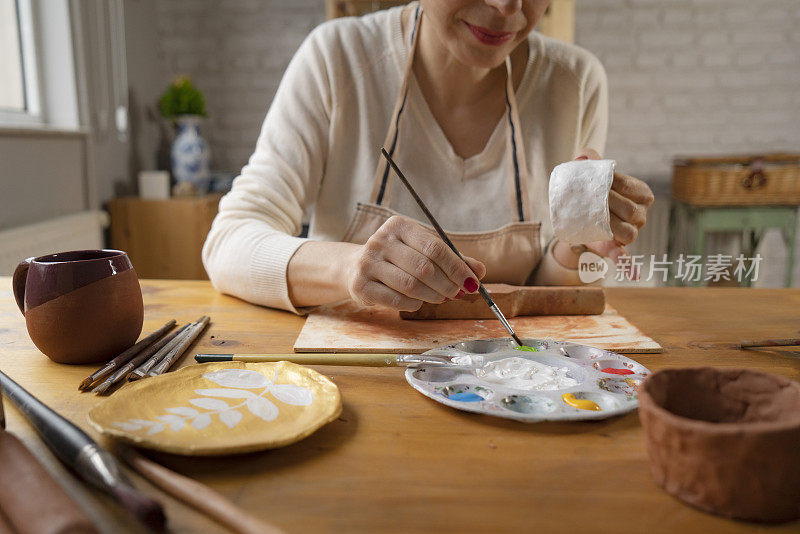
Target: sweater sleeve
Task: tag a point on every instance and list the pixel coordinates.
(253, 237)
(551, 273)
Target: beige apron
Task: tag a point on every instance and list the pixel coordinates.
(511, 252)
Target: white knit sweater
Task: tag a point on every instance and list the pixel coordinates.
(319, 147)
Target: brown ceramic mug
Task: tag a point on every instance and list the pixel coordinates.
(82, 306)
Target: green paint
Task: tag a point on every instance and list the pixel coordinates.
(526, 348)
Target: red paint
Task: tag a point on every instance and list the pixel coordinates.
(617, 371)
(460, 293)
(487, 36)
(471, 285)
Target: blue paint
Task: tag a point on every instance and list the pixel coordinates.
(465, 397)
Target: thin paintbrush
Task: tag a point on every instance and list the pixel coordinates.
(765, 343)
(440, 231)
(193, 333)
(80, 452)
(366, 360)
(330, 358)
(200, 497)
(146, 366)
(126, 369)
(125, 356)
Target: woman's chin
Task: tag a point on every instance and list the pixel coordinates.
(481, 57)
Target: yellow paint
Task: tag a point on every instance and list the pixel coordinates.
(581, 404)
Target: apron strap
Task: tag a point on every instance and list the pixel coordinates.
(382, 178)
(519, 186)
(518, 160)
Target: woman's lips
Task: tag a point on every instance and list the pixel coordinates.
(489, 37)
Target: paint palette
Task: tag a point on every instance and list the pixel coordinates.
(552, 381)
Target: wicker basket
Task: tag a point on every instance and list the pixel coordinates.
(768, 180)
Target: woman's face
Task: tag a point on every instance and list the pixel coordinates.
(481, 33)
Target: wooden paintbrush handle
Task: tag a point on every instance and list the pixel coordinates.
(314, 358)
(790, 342)
(196, 495)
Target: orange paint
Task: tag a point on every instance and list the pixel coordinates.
(581, 404)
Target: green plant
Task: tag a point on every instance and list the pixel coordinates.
(182, 98)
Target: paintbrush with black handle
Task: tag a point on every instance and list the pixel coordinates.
(443, 235)
(82, 454)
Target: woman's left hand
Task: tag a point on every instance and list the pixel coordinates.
(628, 202)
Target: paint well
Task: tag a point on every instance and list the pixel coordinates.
(581, 404)
(465, 393)
(614, 371)
(519, 373)
(465, 397)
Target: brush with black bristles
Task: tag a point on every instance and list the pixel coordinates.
(84, 456)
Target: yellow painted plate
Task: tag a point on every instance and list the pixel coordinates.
(220, 408)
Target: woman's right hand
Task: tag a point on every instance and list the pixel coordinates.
(404, 264)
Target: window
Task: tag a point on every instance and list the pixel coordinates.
(19, 90)
(12, 90)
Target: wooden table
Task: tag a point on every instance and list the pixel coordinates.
(395, 461)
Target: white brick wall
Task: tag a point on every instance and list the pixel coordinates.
(236, 52)
(695, 77)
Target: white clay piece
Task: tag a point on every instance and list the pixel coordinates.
(579, 200)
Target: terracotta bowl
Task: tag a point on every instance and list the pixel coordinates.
(725, 440)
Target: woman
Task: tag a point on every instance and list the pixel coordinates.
(474, 107)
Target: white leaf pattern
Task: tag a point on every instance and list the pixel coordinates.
(210, 404)
(230, 417)
(261, 407)
(187, 412)
(142, 422)
(238, 378)
(294, 395)
(201, 421)
(228, 393)
(178, 417)
(176, 422)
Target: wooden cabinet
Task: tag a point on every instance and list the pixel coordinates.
(163, 238)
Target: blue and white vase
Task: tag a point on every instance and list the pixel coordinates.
(190, 154)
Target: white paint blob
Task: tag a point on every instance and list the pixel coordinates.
(519, 373)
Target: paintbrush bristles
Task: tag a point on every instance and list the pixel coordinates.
(125, 356)
(147, 510)
(132, 364)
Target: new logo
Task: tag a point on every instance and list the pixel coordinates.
(591, 267)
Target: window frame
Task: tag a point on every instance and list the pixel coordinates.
(32, 115)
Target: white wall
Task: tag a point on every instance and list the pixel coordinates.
(696, 77)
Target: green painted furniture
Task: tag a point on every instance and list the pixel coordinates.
(750, 222)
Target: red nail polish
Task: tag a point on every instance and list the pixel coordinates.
(471, 285)
(460, 293)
